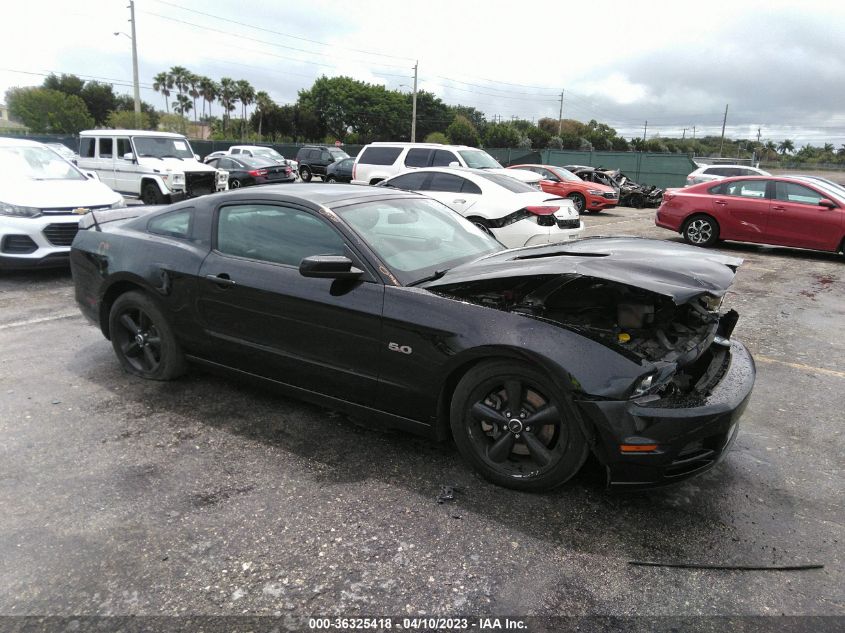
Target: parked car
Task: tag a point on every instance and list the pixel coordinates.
(64, 151)
(157, 167)
(631, 194)
(340, 171)
(774, 210)
(247, 170)
(379, 161)
(515, 213)
(586, 197)
(261, 151)
(388, 306)
(41, 197)
(709, 173)
(216, 154)
(313, 160)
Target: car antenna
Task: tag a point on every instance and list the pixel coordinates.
(90, 212)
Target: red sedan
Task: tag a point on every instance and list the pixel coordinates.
(587, 196)
(766, 210)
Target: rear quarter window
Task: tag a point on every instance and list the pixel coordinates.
(380, 155)
(173, 224)
(86, 147)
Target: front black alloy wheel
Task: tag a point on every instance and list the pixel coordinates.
(143, 339)
(517, 428)
(579, 201)
(150, 194)
(305, 174)
(235, 184)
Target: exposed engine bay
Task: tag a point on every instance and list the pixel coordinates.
(638, 323)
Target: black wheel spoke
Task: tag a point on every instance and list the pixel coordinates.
(155, 341)
(150, 356)
(514, 390)
(547, 415)
(483, 413)
(539, 453)
(132, 349)
(127, 322)
(501, 448)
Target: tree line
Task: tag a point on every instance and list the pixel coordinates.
(350, 111)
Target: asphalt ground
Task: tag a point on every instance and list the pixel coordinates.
(208, 496)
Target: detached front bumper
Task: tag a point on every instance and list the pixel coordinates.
(692, 433)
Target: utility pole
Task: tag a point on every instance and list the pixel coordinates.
(724, 121)
(758, 136)
(414, 106)
(693, 131)
(135, 84)
(684, 135)
(560, 116)
(645, 129)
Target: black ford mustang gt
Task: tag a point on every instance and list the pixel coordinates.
(389, 306)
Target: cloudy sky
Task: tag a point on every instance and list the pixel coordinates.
(779, 65)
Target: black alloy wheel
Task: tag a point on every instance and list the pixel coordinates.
(578, 200)
(331, 178)
(143, 339)
(516, 427)
(305, 174)
(235, 184)
(150, 194)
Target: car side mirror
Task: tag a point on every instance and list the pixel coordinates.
(454, 163)
(91, 175)
(129, 156)
(329, 267)
(827, 204)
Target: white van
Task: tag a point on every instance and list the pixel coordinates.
(157, 167)
(378, 161)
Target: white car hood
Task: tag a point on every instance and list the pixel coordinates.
(56, 194)
(174, 164)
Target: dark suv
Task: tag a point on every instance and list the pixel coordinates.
(313, 160)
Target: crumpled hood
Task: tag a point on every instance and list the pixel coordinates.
(673, 270)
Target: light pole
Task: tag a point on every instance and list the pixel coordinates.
(135, 85)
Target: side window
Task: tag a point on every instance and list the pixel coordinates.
(105, 147)
(313, 154)
(380, 155)
(746, 188)
(227, 163)
(790, 192)
(325, 157)
(174, 224)
(235, 151)
(86, 148)
(410, 182)
(445, 182)
(123, 147)
(276, 234)
(443, 157)
(470, 187)
(417, 157)
(212, 162)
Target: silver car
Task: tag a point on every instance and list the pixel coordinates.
(708, 173)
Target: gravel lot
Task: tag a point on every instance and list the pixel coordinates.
(206, 496)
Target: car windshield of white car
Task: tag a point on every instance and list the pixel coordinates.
(36, 163)
(479, 160)
(338, 154)
(268, 153)
(163, 147)
(417, 237)
(511, 184)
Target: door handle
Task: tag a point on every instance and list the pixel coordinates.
(721, 203)
(459, 201)
(778, 208)
(222, 280)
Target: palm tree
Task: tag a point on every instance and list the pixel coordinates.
(193, 88)
(180, 76)
(162, 83)
(208, 91)
(828, 148)
(770, 149)
(246, 94)
(786, 146)
(228, 97)
(182, 105)
(263, 103)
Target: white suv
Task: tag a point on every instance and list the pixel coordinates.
(379, 161)
(708, 173)
(158, 167)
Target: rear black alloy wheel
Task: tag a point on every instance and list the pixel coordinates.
(701, 230)
(516, 427)
(578, 200)
(331, 178)
(143, 339)
(235, 184)
(305, 174)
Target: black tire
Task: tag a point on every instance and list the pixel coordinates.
(579, 201)
(143, 339)
(305, 174)
(701, 230)
(234, 184)
(331, 178)
(499, 446)
(151, 194)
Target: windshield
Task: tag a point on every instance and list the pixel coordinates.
(417, 237)
(162, 147)
(62, 150)
(37, 163)
(256, 161)
(565, 174)
(338, 154)
(511, 184)
(477, 159)
(268, 152)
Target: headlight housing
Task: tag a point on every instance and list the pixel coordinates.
(643, 386)
(222, 175)
(18, 211)
(178, 179)
(595, 192)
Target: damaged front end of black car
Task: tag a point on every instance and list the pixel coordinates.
(674, 414)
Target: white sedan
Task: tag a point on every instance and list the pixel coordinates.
(514, 212)
(41, 197)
